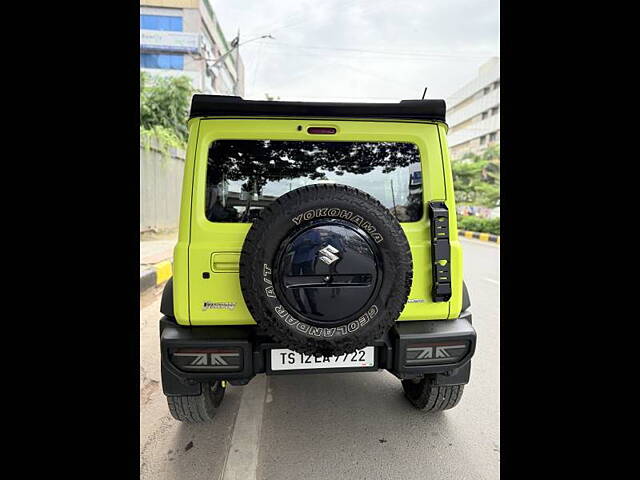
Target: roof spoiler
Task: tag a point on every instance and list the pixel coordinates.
(233, 106)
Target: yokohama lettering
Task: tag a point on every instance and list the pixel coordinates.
(339, 213)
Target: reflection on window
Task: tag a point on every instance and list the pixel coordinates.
(244, 176)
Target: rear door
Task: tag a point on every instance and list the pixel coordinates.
(242, 165)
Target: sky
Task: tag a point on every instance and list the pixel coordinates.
(360, 50)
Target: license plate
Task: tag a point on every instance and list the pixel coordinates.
(284, 359)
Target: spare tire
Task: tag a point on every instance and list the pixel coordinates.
(326, 269)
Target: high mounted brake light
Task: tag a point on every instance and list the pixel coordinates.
(321, 130)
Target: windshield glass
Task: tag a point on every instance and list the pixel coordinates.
(244, 176)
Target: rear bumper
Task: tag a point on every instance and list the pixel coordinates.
(441, 349)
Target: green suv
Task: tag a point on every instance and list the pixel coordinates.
(315, 238)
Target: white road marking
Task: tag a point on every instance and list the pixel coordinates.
(242, 461)
(497, 282)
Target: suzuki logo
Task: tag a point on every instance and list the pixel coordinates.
(328, 254)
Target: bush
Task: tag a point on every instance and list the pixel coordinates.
(164, 102)
(477, 224)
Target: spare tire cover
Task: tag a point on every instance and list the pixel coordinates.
(326, 269)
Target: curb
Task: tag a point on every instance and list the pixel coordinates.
(485, 237)
(155, 275)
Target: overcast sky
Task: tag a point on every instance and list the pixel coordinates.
(361, 50)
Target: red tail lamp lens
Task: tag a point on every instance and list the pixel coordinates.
(321, 130)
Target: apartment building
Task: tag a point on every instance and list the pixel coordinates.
(183, 37)
(473, 112)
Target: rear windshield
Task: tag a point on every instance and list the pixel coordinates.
(244, 176)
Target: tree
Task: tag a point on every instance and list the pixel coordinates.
(491, 171)
(164, 102)
(476, 178)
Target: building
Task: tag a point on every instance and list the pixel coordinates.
(473, 112)
(183, 37)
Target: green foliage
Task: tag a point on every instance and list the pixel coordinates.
(476, 178)
(165, 138)
(164, 102)
(477, 224)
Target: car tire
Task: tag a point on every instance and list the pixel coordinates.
(197, 408)
(356, 293)
(432, 398)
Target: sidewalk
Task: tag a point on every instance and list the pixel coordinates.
(155, 262)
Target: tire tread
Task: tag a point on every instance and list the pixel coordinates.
(432, 398)
(194, 408)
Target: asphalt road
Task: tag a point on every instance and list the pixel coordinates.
(339, 426)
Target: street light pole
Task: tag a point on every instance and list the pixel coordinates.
(237, 45)
(236, 80)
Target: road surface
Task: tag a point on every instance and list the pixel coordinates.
(339, 426)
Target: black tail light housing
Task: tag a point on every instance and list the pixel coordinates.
(216, 359)
(433, 347)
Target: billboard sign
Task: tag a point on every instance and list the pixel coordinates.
(169, 41)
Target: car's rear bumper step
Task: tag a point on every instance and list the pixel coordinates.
(194, 355)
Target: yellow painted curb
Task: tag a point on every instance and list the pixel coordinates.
(485, 237)
(163, 272)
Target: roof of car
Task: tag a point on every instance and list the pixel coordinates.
(232, 106)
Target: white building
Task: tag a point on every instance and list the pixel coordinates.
(473, 112)
(183, 37)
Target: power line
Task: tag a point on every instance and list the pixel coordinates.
(375, 75)
(304, 17)
(395, 53)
